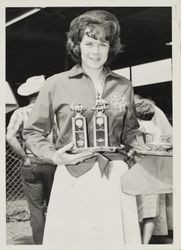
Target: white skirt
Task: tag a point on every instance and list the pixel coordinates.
(91, 212)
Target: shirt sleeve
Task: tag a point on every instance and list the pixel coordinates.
(130, 124)
(160, 120)
(15, 123)
(39, 125)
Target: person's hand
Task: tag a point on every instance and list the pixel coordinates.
(62, 156)
(138, 145)
(141, 147)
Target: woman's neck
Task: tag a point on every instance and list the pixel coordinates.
(96, 75)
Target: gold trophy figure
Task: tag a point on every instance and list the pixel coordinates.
(100, 123)
(79, 127)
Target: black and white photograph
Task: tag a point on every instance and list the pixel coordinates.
(89, 126)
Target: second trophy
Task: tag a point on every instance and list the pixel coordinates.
(100, 123)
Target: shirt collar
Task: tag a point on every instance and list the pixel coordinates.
(110, 72)
(77, 70)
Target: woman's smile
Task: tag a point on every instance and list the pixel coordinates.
(94, 59)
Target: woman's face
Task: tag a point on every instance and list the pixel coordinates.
(94, 53)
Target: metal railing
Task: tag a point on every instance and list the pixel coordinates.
(14, 189)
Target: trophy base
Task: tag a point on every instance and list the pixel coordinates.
(98, 149)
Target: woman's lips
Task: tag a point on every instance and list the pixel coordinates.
(95, 59)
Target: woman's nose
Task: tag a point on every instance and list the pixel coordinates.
(95, 49)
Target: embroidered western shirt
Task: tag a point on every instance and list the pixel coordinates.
(75, 87)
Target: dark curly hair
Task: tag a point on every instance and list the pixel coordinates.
(103, 26)
(145, 109)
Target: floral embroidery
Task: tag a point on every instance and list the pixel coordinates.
(119, 101)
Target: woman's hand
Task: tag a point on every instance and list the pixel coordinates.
(62, 157)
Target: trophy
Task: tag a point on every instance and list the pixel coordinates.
(79, 127)
(100, 123)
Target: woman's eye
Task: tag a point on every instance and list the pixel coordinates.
(88, 44)
(104, 44)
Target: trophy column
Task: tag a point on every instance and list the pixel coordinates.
(100, 123)
(79, 127)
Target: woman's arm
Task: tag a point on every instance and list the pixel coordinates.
(39, 125)
(130, 123)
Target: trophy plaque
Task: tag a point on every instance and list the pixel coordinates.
(100, 123)
(79, 127)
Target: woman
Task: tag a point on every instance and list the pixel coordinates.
(152, 209)
(87, 209)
